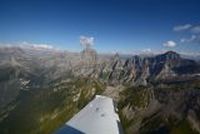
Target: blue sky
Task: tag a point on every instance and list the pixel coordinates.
(116, 25)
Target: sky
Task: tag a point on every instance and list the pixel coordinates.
(125, 26)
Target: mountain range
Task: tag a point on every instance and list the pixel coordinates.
(43, 88)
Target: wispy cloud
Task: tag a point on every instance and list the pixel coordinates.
(196, 29)
(38, 46)
(169, 44)
(86, 41)
(192, 39)
(186, 40)
(192, 30)
(182, 27)
(148, 50)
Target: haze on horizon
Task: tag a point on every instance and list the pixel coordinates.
(125, 26)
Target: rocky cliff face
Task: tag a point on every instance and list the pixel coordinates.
(88, 56)
(138, 70)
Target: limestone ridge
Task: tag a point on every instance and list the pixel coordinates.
(89, 56)
(138, 70)
(18, 65)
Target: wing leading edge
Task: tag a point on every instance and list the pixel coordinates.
(97, 117)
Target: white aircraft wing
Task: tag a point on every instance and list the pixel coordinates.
(97, 117)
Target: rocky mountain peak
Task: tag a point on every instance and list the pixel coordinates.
(172, 55)
(116, 57)
(89, 56)
(137, 60)
(168, 57)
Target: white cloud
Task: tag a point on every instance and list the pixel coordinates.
(169, 44)
(37, 46)
(188, 40)
(182, 27)
(187, 27)
(86, 41)
(148, 50)
(43, 46)
(196, 29)
(192, 30)
(194, 39)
